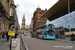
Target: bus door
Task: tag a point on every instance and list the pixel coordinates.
(45, 34)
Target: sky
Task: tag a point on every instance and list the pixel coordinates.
(27, 8)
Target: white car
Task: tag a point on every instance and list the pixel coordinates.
(28, 34)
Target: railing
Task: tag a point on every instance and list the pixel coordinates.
(22, 44)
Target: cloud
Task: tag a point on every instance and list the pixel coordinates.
(28, 7)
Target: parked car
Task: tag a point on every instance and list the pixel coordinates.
(28, 34)
(72, 37)
(25, 34)
(32, 35)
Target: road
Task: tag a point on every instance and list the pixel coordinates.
(40, 44)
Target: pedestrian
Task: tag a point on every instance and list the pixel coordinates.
(72, 34)
(57, 36)
(16, 34)
(7, 36)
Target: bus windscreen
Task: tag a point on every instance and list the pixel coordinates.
(51, 26)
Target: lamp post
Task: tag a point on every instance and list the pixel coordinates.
(11, 30)
(69, 17)
(12, 16)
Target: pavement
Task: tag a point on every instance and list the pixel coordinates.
(4, 44)
(67, 40)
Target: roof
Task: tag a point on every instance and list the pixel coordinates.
(60, 5)
(38, 6)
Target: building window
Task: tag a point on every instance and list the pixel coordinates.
(42, 18)
(38, 20)
(38, 14)
(11, 11)
(38, 17)
(42, 21)
(38, 24)
(15, 17)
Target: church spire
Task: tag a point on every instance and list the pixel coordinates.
(24, 16)
(23, 22)
(38, 6)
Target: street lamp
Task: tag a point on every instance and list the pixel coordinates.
(11, 25)
(69, 17)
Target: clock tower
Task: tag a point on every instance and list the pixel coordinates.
(23, 22)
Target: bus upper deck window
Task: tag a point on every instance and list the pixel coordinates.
(51, 26)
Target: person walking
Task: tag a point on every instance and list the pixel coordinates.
(72, 34)
(16, 34)
(57, 36)
(7, 36)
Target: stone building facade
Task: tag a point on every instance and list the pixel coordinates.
(7, 15)
(37, 21)
(31, 25)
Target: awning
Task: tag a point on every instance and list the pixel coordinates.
(59, 6)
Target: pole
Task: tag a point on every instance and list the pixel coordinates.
(10, 42)
(69, 17)
(11, 36)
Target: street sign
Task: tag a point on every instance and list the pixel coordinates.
(11, 33)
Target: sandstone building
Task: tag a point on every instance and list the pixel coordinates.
(31, 25)
(8, 15)
(25, 28)
(37, 21)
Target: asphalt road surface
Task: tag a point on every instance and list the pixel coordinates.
(40, 44)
